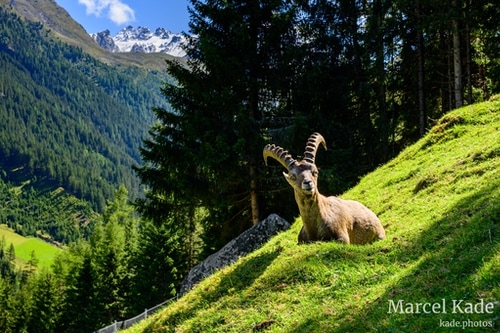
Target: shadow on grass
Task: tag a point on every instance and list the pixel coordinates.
(242, 277)
(451, 253)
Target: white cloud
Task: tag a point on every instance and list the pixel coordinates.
(115, 10)
(121, 13)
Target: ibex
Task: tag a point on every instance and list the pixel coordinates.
(324, 218)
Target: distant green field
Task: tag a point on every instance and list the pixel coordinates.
(44, 252)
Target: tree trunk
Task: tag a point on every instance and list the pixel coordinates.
(254, 198)
(468, 54)
(449, 80)
(254, 113)
(457, 60)
(421, 74)
(381, 79)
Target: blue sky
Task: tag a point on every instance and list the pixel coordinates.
(99, 15)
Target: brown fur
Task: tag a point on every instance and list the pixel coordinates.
(324, 218)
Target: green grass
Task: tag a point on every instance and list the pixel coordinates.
(439, 201)
(44, 252)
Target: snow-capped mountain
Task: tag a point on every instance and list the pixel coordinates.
(141, 39)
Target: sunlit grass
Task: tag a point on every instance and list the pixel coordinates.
(439, 201)
(24, 246)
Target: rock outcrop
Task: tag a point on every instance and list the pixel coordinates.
(104, 40)
(245, 243)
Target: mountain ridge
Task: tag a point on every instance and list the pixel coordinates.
(142, 40)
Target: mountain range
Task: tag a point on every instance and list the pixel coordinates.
(141, 39)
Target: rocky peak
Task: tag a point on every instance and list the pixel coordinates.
(141, 39)
(104, 40)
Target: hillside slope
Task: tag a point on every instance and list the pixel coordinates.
(440, 203)
(69, 118)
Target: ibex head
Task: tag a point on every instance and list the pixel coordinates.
(303, 175)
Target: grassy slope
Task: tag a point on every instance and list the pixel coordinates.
(440, 203)
(44, 252)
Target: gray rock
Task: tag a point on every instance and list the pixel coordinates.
(245, 243)
(104, 40)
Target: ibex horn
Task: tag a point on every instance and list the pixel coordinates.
(312, 146)
(279, 154)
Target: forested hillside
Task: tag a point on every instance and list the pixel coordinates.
(67, 119)
(70, 131)
(51, 214)
(115, 274)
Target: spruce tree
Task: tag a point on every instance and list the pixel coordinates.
(47, 290)
(206, 150)
(158, 266)
(81, 305)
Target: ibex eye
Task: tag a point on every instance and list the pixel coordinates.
(315, 173)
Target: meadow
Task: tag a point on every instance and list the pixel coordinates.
(24, 246)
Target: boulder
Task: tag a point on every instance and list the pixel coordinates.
(240, 246)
